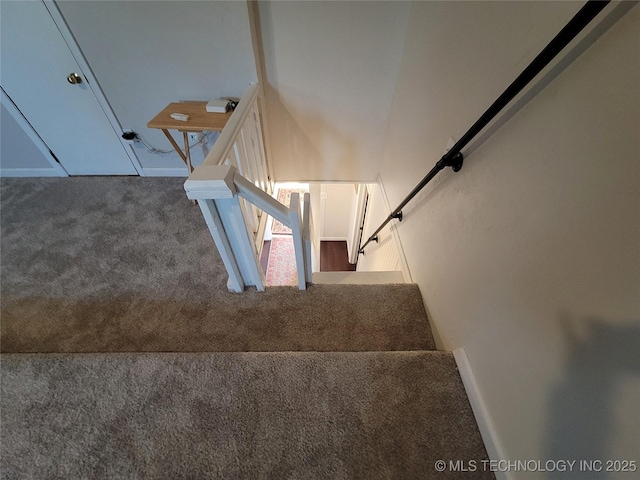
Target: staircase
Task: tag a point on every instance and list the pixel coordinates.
(125, 355)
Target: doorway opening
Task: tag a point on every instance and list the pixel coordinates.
(338, 217)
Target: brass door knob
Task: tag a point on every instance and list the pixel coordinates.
(74, 78)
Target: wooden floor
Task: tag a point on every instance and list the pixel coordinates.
(334, 257)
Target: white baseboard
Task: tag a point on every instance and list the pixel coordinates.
(31, 172)
(333, 239)
(480, 411)
(165, 172)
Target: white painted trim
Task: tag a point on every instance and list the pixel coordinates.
(481, 412)
(92, 81)
(165, 172)
(333, 239)
(56, 169)
(406, 273)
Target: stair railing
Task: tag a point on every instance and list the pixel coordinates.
(453, 157)
(241, 145)
(220, 191)
(233, 190)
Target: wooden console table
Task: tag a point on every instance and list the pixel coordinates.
(199, 121)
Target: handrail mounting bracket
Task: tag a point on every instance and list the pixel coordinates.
(397, 215)
(455, 162)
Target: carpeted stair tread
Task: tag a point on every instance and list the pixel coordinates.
(118, 264)
(323, 318)
(337, 415)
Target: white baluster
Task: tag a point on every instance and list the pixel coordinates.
(233, 157)
(307, 227)
(296, 230)
(248, 173)
(262, 152)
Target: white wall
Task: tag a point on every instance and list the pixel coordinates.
(331, 70)
(384, 254)
(147, 54)
(529, 258)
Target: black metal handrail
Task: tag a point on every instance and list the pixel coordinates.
(454, 157)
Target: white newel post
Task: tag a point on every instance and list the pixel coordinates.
(213, 187)
(210, 214)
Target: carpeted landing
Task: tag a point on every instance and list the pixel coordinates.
(337, 382)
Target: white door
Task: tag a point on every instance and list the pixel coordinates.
(35, 65)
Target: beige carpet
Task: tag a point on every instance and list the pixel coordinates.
(118, 264)
(332, 416)
(127, 265)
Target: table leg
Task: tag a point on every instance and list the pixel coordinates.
(175, 146)
(187, 151)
